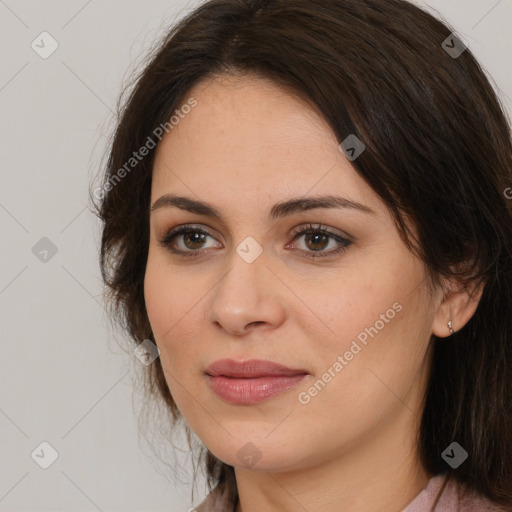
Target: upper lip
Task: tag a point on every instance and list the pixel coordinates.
(252, 368)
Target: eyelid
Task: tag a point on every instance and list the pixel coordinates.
(322, 228)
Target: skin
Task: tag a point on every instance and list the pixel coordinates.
(247, 145)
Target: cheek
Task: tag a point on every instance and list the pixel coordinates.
(174, 308)
(378, 319)
(355, 303)
(170, 312)
(158, 298)
(168, 297)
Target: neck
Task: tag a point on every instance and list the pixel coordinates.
(381, 474)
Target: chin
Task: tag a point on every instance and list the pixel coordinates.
(258, 454)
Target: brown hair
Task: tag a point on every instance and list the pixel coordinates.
(438, 152)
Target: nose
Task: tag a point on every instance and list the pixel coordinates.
(247, 297)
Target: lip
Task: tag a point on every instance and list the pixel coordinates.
(251, 368)
(252, 381)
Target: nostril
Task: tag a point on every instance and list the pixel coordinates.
(258, 322)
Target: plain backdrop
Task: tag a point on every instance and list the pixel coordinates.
(64, 380)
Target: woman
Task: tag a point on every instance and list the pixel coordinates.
(304, 210)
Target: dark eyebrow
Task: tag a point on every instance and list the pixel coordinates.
(279, 210)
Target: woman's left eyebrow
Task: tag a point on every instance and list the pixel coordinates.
(279, 210)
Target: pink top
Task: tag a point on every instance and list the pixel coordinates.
(448, 502)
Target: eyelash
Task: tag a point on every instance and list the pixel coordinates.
(167, 241)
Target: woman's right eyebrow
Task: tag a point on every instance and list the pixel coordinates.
(279, 210)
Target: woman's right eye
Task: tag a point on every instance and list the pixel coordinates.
(192, 238)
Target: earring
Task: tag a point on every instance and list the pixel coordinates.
(450, 326)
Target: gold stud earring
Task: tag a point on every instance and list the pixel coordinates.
(450, 326)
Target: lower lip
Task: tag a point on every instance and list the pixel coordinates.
(252, 391)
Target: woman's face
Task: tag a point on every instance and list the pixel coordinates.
(356, 318)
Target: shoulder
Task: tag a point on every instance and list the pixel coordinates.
(473, 502)
(215, 502)
(452, 498)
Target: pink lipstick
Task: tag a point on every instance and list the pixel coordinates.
(252, 381)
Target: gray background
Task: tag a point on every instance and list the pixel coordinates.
(64, 377)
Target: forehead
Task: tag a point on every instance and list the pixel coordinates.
(240, 115)
(251, 135)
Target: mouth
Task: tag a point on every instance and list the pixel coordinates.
(251, 382)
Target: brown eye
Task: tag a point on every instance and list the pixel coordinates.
(316, 239)
(192, 239)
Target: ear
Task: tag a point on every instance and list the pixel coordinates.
(458, 305)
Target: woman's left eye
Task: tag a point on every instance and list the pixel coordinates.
(315, 237)
(318, 235)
